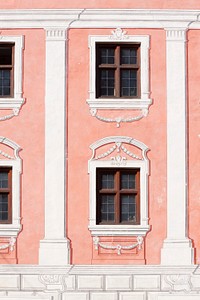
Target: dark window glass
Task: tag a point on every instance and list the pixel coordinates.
(107, 55)
(128, 82)
(128, 56)
(107, 82)
(128, 208)
(107, 208)
(6, 55)
(6, 70)
(107, 181)
(5, 195)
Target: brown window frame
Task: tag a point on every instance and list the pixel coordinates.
(10, 67)
(117, 192)
(117, 67)
(9, 192)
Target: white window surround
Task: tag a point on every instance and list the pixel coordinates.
(12, 230)
(17, 100)
(120, 36)
(128, 160)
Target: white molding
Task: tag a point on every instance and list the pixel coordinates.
(120, 36)
(54, 248)
(12, 230)
(100, 18)
(131, 161)
(17, 100)
(177, 248)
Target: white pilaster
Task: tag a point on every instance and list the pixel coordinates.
(54, 248)
(177, 248)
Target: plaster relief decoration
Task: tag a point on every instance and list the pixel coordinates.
(119, 152)
(119, 34)
(10, 245)
(119, 119)
(179, 283)
(117, 108)
(9, 158)
(118, 247)
(52, 282)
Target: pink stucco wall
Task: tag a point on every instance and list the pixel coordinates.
(167, 4)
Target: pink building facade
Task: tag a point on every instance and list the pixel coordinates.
(99, 150)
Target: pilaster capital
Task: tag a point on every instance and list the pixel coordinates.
(176, 34)
(55, 34)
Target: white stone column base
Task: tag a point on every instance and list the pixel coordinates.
(177, 252)
(54, 252)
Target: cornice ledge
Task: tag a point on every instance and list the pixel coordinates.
(77, 18)
(125, 269)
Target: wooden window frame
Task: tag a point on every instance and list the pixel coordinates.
(11, 67)
(117, 192)
(9, 192)
(117, 67)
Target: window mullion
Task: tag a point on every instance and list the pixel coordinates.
(117, 197)
(117, 72)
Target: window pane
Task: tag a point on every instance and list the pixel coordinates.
(107, 55)
(128, 56)
(3, 207)
(5, 82)
(128, 181)
(3, 179)
(128, 83)
(6, 55)
(107, 181)
(128, 208)
(107, 208)
(107, 82)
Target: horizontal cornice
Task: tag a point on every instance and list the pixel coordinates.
(100, 18)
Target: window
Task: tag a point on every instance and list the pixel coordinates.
(118, 196)
(11, 54)
(10, 175)
(118, 70)
(5, 195)
(6, 70)
(118, 173)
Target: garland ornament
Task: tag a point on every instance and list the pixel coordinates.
(10, 116)
(119, 120)
(10, 245)
(118, 247)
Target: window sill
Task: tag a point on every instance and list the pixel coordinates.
(11, 103)
(9, 230)
(122, 103)
(119, 230)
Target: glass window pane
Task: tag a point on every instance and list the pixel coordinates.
(107, 78)
(5, 55)
(3, 207)
(107, 55)
(128, 83)
(107, 181)
(128, 208)
(128, 56)
(4, 179)
(5, 82)
(128, 181)
(107, 208)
